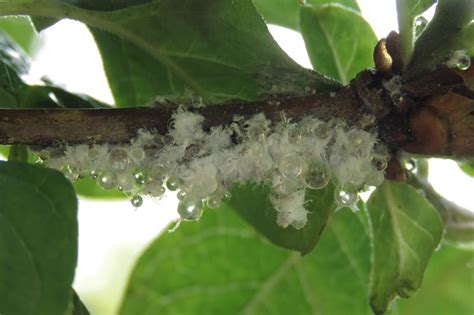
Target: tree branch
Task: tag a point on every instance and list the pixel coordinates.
(50, 126)
(426, 124)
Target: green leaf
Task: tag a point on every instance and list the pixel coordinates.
(88, 187)
(408, 10)
(221, 266)
(4, 150)
(252, 203)
(20, 29)
(199, 57)
(40, 23)
(219, 50)
(286, 12)
(15, 93)
(406, 231)
(339, 41)
(467, 167)
(447, 286)
(18, 153)
(78, 308)
(38, 240)
(466, 39)
(441, 36)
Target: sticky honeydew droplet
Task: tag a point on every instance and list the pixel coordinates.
(227, 195)
(463, 62)
(140, 176)
(94, 174)
(346, 195)
(410, 165)
(118, 159)
(317, 176)
(137, 154)
(172, 184)
(374, 178)
(136, 201)
(290, 166)
(181, 195)
(420, 25)
(107, 180)
(213, 202)
(189, 210)
(70, 172)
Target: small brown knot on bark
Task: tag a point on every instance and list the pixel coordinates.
(387, 56)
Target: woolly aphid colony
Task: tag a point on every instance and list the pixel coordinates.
(203, 166)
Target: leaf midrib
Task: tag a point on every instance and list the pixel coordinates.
(335, 54)
(394, 209)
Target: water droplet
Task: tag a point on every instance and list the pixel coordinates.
(44, 154)
(172, 184)
(136, 201)
(181, 195)
(213, 202)
(94, 174)
(107, 180)
(410, 165)
(420, 24)
(189, 210)
(70, 172)
(317, 177)
(140, 176)
(463, 62)
(137, 154)
(290, 166)
(374, 178)
(227, 195)
(346, 195)
(379, 163)
(118, 159)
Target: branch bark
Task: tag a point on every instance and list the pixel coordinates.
(50, 126)
(422, 123)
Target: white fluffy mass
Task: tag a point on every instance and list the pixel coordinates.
(204, 165)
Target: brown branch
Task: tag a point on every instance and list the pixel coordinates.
(420, 123)
(52, 126)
